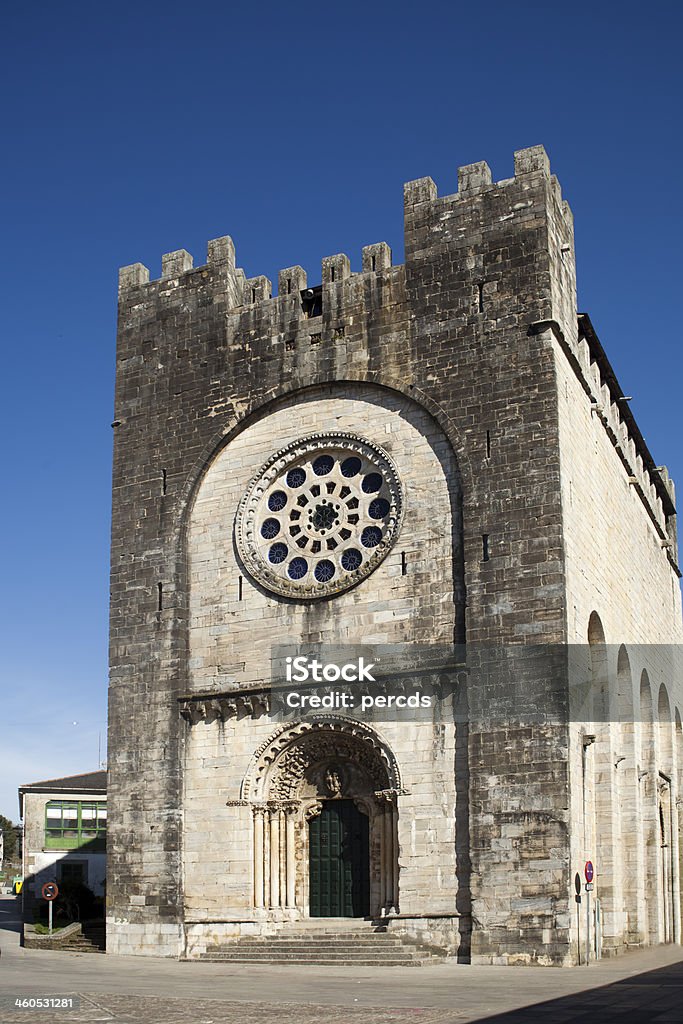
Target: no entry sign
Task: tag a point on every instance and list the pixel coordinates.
(588, 871)
(50, 891)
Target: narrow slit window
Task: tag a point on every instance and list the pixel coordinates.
(404, 562)
(253, 295)
(240, 585)
(374, 263)
(488, 444)
(485, 547)
(332, 274)
(160, 596)
(163, 481)
(480, 296)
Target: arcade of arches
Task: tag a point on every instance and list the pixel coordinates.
(628, 743)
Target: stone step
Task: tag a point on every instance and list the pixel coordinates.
(295, 943)
(96, 934)
(338, 924)
(92, 940)
(86, 947)
(266, 951)
(296, 936)
(326, 932)
(320, 959)
(335, 946)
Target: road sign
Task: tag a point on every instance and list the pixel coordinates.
(50, 891)
(589, 887)
(588, 871)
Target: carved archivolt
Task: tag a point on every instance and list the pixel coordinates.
(293, 774)
(295, 762)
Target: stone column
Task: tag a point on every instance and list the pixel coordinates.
(283, 857)
(290, 854)
(259, 853)
(274, 856)
(389, 846)
(394, 834)
(387, 859)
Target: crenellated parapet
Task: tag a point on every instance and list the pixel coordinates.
(473, 181)
(178, 270)
(449, 220)
(294, 319)
(497, 234)
(483, 265)
(477, 178)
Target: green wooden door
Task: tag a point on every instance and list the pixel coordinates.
(339, 854)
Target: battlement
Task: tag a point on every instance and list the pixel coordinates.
(531, 165)
(221, 257)
(476, 178)
(486, 260)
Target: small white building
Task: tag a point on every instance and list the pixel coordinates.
(65, 832)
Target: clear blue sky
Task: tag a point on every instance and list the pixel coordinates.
(132, 129)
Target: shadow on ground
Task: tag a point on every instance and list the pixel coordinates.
(10, 914)
(654, 997)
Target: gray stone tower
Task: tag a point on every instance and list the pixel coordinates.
(464, 383)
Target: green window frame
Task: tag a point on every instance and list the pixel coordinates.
(71, 824)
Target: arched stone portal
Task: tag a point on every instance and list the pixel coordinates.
(303, 771)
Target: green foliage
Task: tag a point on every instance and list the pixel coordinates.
(43, 929)
(10, 837)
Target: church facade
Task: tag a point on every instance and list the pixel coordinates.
(435, 455)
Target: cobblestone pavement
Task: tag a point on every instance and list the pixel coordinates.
(158, 1010)
(638, 988)
(641, 1000)
(652, 997)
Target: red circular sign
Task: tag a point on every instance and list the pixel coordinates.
(588, 871)
(50, 891)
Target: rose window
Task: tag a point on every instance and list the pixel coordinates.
(320, 515)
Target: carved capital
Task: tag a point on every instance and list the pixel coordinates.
(313, 810)
(388, 796)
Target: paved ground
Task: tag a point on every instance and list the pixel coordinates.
(640, 988)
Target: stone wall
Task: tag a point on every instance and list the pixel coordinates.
(624, 599)
(234, 623)
(460, 335)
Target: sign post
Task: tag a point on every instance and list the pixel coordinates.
(50, 892)
(577, 889)
(598, 930)
(588, 875)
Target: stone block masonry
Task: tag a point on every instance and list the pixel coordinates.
(469, 368)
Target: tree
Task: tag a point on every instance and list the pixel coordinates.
(8, 831)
